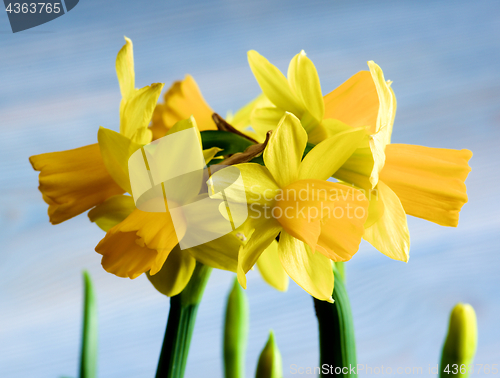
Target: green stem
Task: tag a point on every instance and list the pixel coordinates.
(336, 332)
(180, 325)
(341, 269)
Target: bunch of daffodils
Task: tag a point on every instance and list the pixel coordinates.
(313, 174)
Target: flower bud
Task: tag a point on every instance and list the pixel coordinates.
(270, 365)
(460, 344)
(236, 332)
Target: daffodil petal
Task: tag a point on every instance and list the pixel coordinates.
(299, 210)
(328, 217)
(158, 124)
(274, 84)
(112, 211)
(174, 158)
(221, 253)
(142, 136)
(116, 149)
(328, 128)
(182, 100)
(355, 102)
(265, 119)
(172, 166)
(175, 273)
(261, 238)
(357, 170)
(344, 217)
(242, 118)
(329, 155)
(257, 185)
(139, 243)
(392, 116)
(122, 256)
(137, 111)
(210, 153)
(385, 120)
(125, 69)
(390, 234)
(208, 219)
(376, 207)
(387, 104)
(428, 181)
(284, 151)
(186, 124)
(260, 185)
(304, 81)
(73, 181)
(270, 268)
(377, 148)
(155, 230)
(311, 271)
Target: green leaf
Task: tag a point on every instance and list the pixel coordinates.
(230, 143)
(88, 357)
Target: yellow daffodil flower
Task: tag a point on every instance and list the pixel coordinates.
(399, 179)
(317, 221)
(77, 180)
(183, 99)
(140, 241)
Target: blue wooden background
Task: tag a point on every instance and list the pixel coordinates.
(58, 85)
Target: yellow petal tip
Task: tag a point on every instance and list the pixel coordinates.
(242, 279)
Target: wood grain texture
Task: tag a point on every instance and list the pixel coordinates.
(58, 85)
